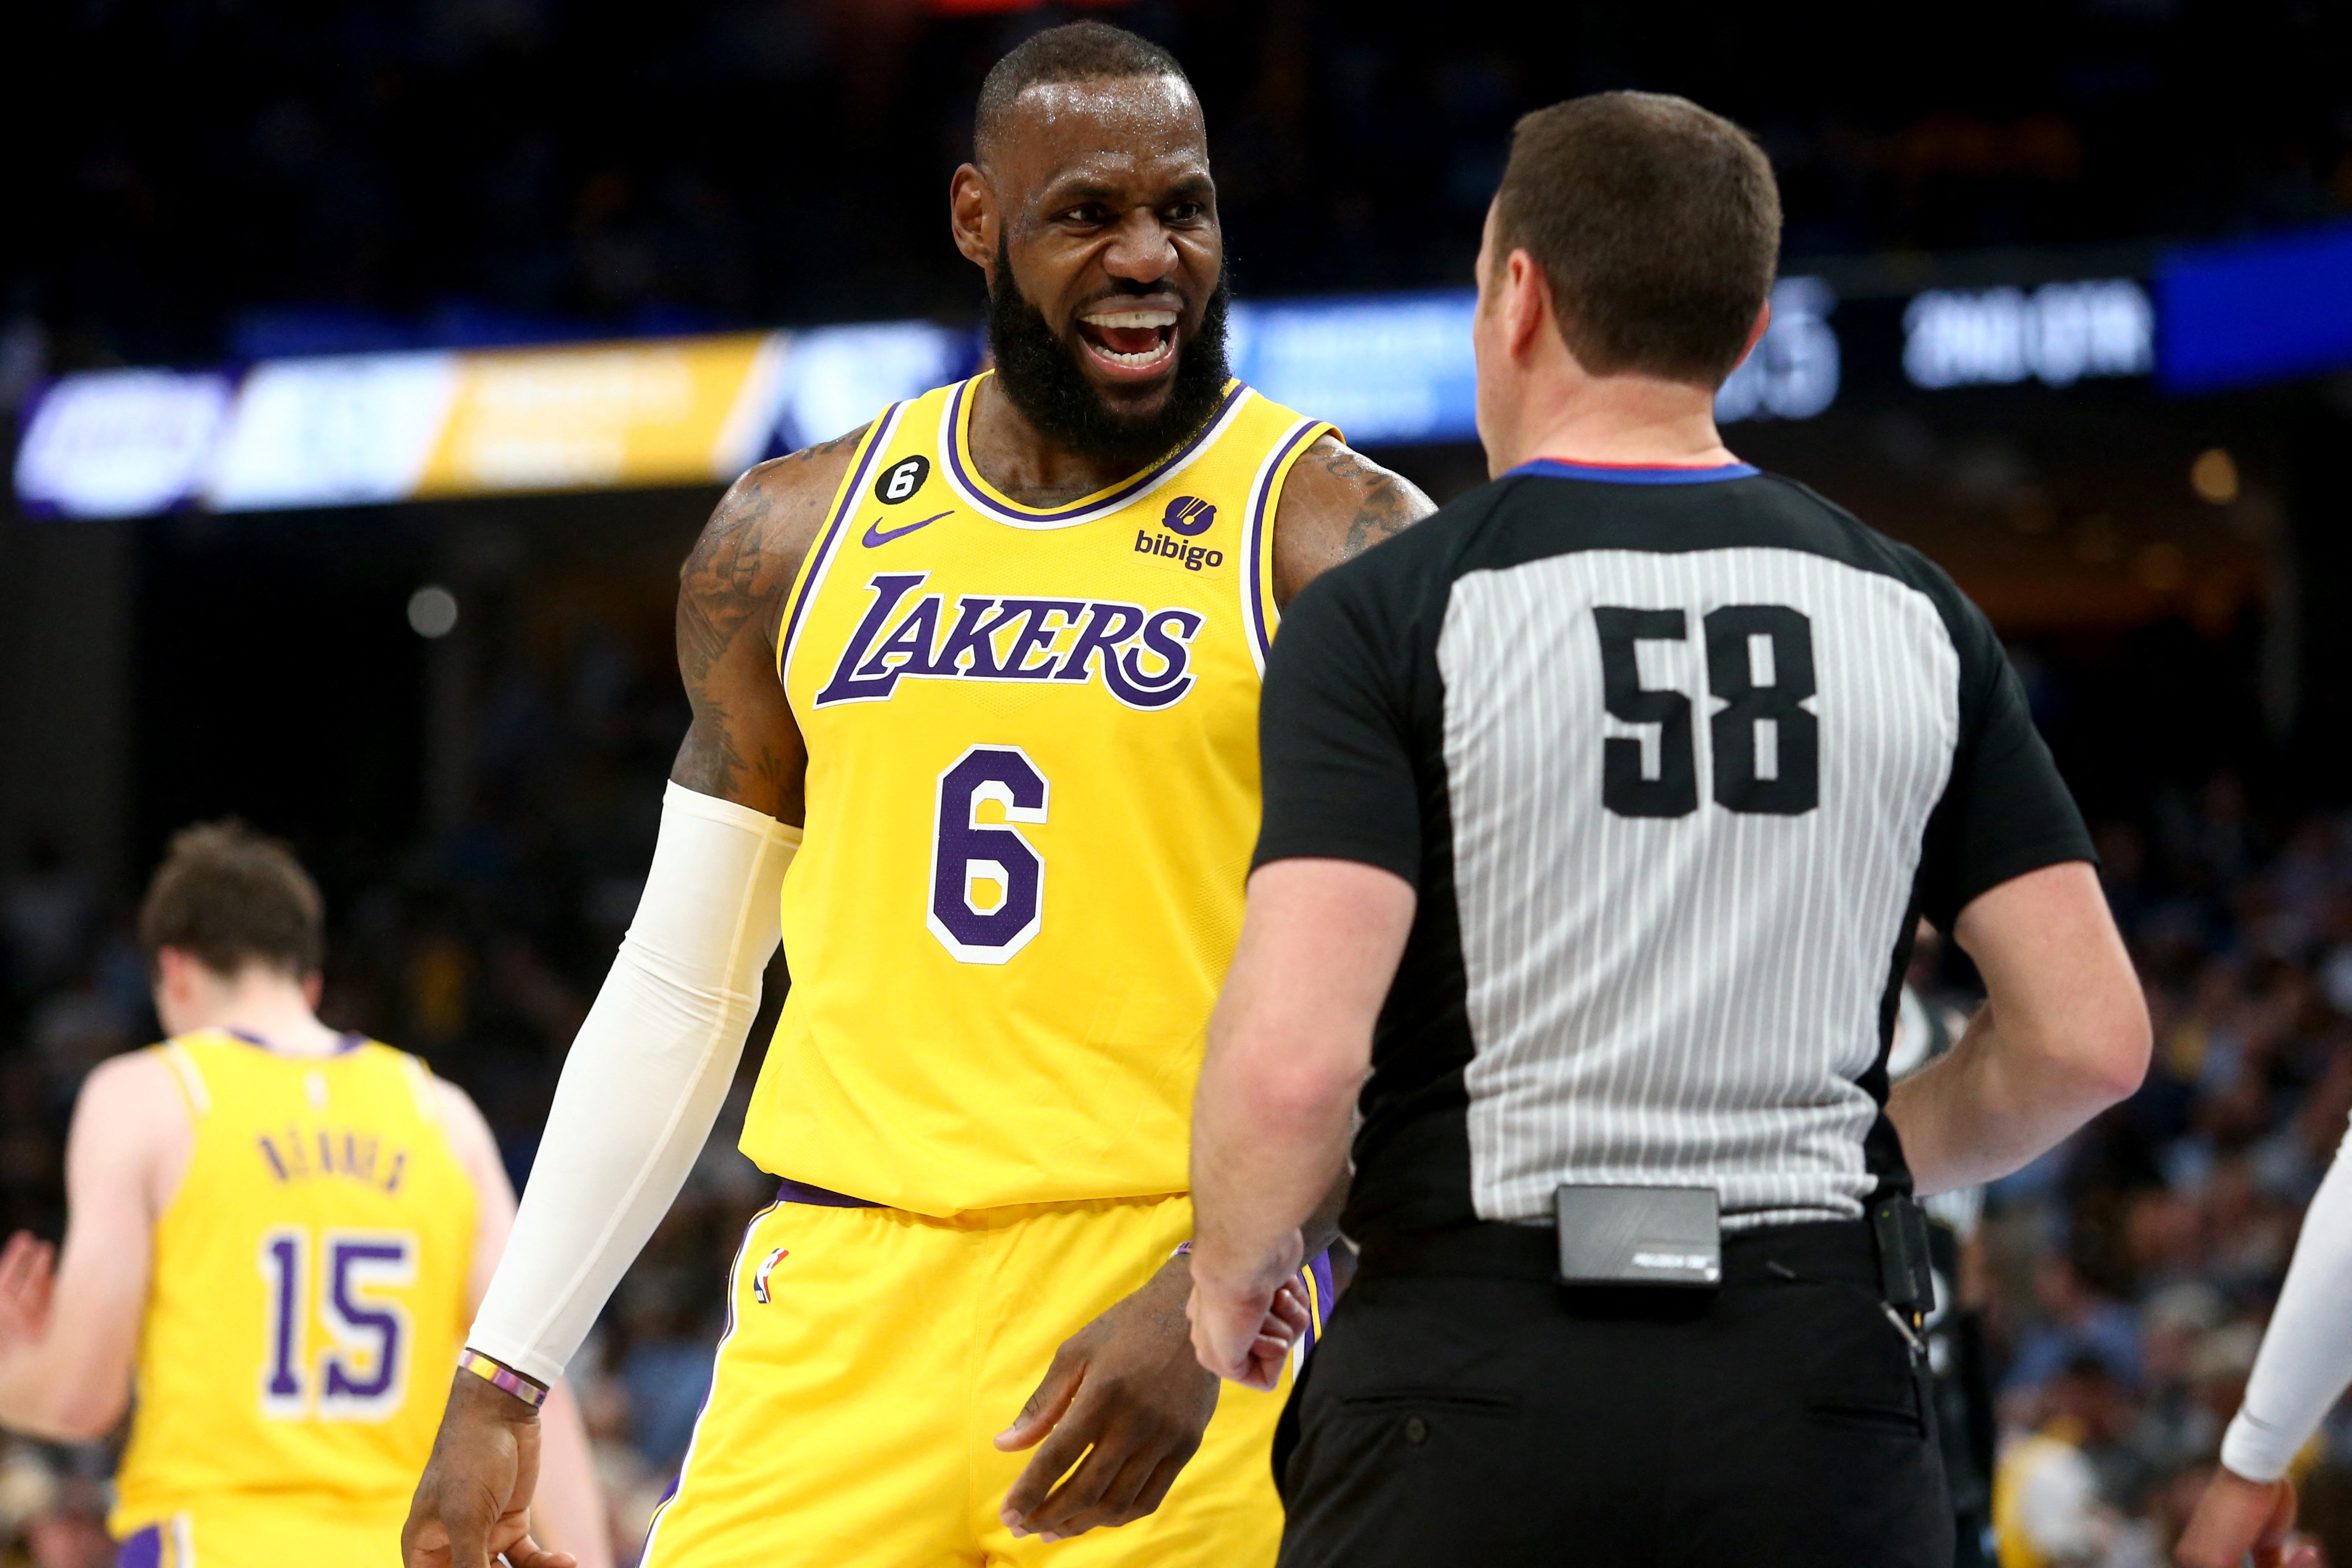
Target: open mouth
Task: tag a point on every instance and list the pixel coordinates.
(1129, 343)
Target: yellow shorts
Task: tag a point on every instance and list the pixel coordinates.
(870, 1356)
(267, 1532)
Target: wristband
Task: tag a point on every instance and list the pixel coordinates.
(1183, 1249)
(524, 1388)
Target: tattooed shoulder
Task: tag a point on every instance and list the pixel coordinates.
(1386, 504)
(1337, 504)
(743, 744)
(744, 562)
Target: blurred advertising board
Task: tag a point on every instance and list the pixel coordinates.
(2058, 334)
(372, 428)
(120, 443)
(356, 429)
(2256, 310)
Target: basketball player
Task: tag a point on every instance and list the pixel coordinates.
(284, 1229)
(998, 655)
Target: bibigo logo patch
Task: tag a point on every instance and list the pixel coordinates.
(1188, 515)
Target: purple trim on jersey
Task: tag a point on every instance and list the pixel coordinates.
(1635, 473)
(1253, 536)
(142, 1549)
(885, 427)
(791, 1192)
(1133, 488)
(348, 1040)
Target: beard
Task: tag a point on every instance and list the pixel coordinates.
(1039, 372)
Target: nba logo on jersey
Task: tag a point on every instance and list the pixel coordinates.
(1188, 515)
(759, 1279)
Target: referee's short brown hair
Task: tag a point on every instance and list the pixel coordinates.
(228, 898)
(1657, 223)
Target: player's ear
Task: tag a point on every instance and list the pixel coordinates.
(314, 985)
(972, 217)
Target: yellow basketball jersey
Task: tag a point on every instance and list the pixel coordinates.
(1033, 789)
(309, 1287)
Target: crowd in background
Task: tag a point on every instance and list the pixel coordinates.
(210, 178)
(2124, 1278)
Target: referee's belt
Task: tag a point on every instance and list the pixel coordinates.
(1840, 1251)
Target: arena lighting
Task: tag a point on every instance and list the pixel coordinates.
(2214, 475)
(432, 611)
(358, 429)
(2058, 334)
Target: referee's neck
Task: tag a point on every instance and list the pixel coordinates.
(1617, 420)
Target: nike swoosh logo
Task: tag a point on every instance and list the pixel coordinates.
(874, 534)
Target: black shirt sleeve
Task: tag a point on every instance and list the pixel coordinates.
(1334, 731)
(2005, 811)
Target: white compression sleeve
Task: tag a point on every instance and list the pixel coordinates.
(2306, 1355)
(645, 1080)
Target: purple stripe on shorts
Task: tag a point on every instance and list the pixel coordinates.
(791, 1192)
(1319, 1270)
(144, 1549)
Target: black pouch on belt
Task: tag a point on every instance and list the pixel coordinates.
(1639, 1236)
(1905, 1271)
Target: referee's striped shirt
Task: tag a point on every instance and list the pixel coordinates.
(1675, 758)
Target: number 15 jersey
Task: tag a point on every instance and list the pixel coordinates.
(1033, 787)
(307, 1296)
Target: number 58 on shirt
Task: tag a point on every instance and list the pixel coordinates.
(1766, 745)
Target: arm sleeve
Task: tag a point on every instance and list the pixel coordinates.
(645, 1080)
(1333, 740)
(2005, 811)
(2305, 1360)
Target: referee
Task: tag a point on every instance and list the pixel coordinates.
(1600, 808)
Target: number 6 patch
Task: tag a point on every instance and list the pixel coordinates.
(901, 479)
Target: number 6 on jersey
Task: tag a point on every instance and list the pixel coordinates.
(987, 884)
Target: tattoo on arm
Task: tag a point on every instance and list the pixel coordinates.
(733, 587)
(721, 583)
(1389, 505)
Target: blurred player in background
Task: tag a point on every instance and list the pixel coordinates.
(283, 1231)
(1000, 651)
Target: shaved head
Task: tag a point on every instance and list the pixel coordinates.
(1080, 52)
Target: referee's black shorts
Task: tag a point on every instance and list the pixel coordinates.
(1454, 1414)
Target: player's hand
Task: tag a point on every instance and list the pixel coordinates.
(1243, 1334)
(2237, 1520)
(1124, 1393)
(28, 1276)
(474, 1502)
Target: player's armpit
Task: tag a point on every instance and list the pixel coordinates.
(743, 744)
(1336, 504)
